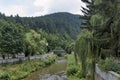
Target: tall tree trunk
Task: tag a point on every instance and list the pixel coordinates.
(76, 60)
(3, 56)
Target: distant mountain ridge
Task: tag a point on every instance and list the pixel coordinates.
(64, 24)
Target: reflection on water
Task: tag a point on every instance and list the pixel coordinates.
(53, 72)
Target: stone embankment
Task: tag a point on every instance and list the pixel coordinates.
(110, 75)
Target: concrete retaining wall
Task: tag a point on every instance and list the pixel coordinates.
(3, 61)
(110, 75)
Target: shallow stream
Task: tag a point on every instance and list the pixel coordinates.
(54, 72)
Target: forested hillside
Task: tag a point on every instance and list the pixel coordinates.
(36, 35)
(65, 25)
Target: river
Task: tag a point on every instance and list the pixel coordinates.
(55, 71)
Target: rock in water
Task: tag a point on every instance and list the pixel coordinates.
(56, 77)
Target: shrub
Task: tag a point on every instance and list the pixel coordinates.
(72, 70)
(21, 70)
(109, 65)
(50, 60)
(17, 75)
(79, 73)
(4, 76)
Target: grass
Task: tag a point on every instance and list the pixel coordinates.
(19, 71)
(73, 71)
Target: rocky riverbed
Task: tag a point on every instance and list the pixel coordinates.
(57, 76)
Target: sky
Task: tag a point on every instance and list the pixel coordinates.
(39, 7)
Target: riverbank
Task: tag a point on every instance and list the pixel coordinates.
(22, 70)
(74, 71)
(55, 71)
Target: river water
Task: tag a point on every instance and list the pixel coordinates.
(54, 72)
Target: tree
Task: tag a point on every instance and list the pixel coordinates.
(109, 28)
(86, 24)
(11, 39)
(82, 49)
(54, 42)
(101, 18)
(34, 43)
(70, 47)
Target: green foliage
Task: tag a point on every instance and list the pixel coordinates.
(101, 19)
(50, 60)
(34, 43)
(14, 40)
(82, 49)
(4, 76)
(70, 60)
(73, 71)
(19, 71)
(52, 29)
(72, 68)
(53, 42)
(70, 47)
(106, 25)
(109, 65)
(11, 37)
(65, 24)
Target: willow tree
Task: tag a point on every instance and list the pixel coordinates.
(82, 49)
(88, 11)
(34, 43)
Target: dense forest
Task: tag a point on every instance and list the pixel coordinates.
(36, 35)
(65, 25)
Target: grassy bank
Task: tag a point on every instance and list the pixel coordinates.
(19, 71)
(73, 71)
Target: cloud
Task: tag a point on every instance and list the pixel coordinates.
(39, 7)
(52, 6)
(39, 3)
(15, 9)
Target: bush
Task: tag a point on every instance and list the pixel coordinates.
(50, 60)
(21, 70)
(72, 70)
(109, 65)
(17, 75)
(4, 76)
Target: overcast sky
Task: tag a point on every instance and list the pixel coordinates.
(39, 7)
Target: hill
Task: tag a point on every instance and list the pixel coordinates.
(65, 25)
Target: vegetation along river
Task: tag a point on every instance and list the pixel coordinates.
(54, 72)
